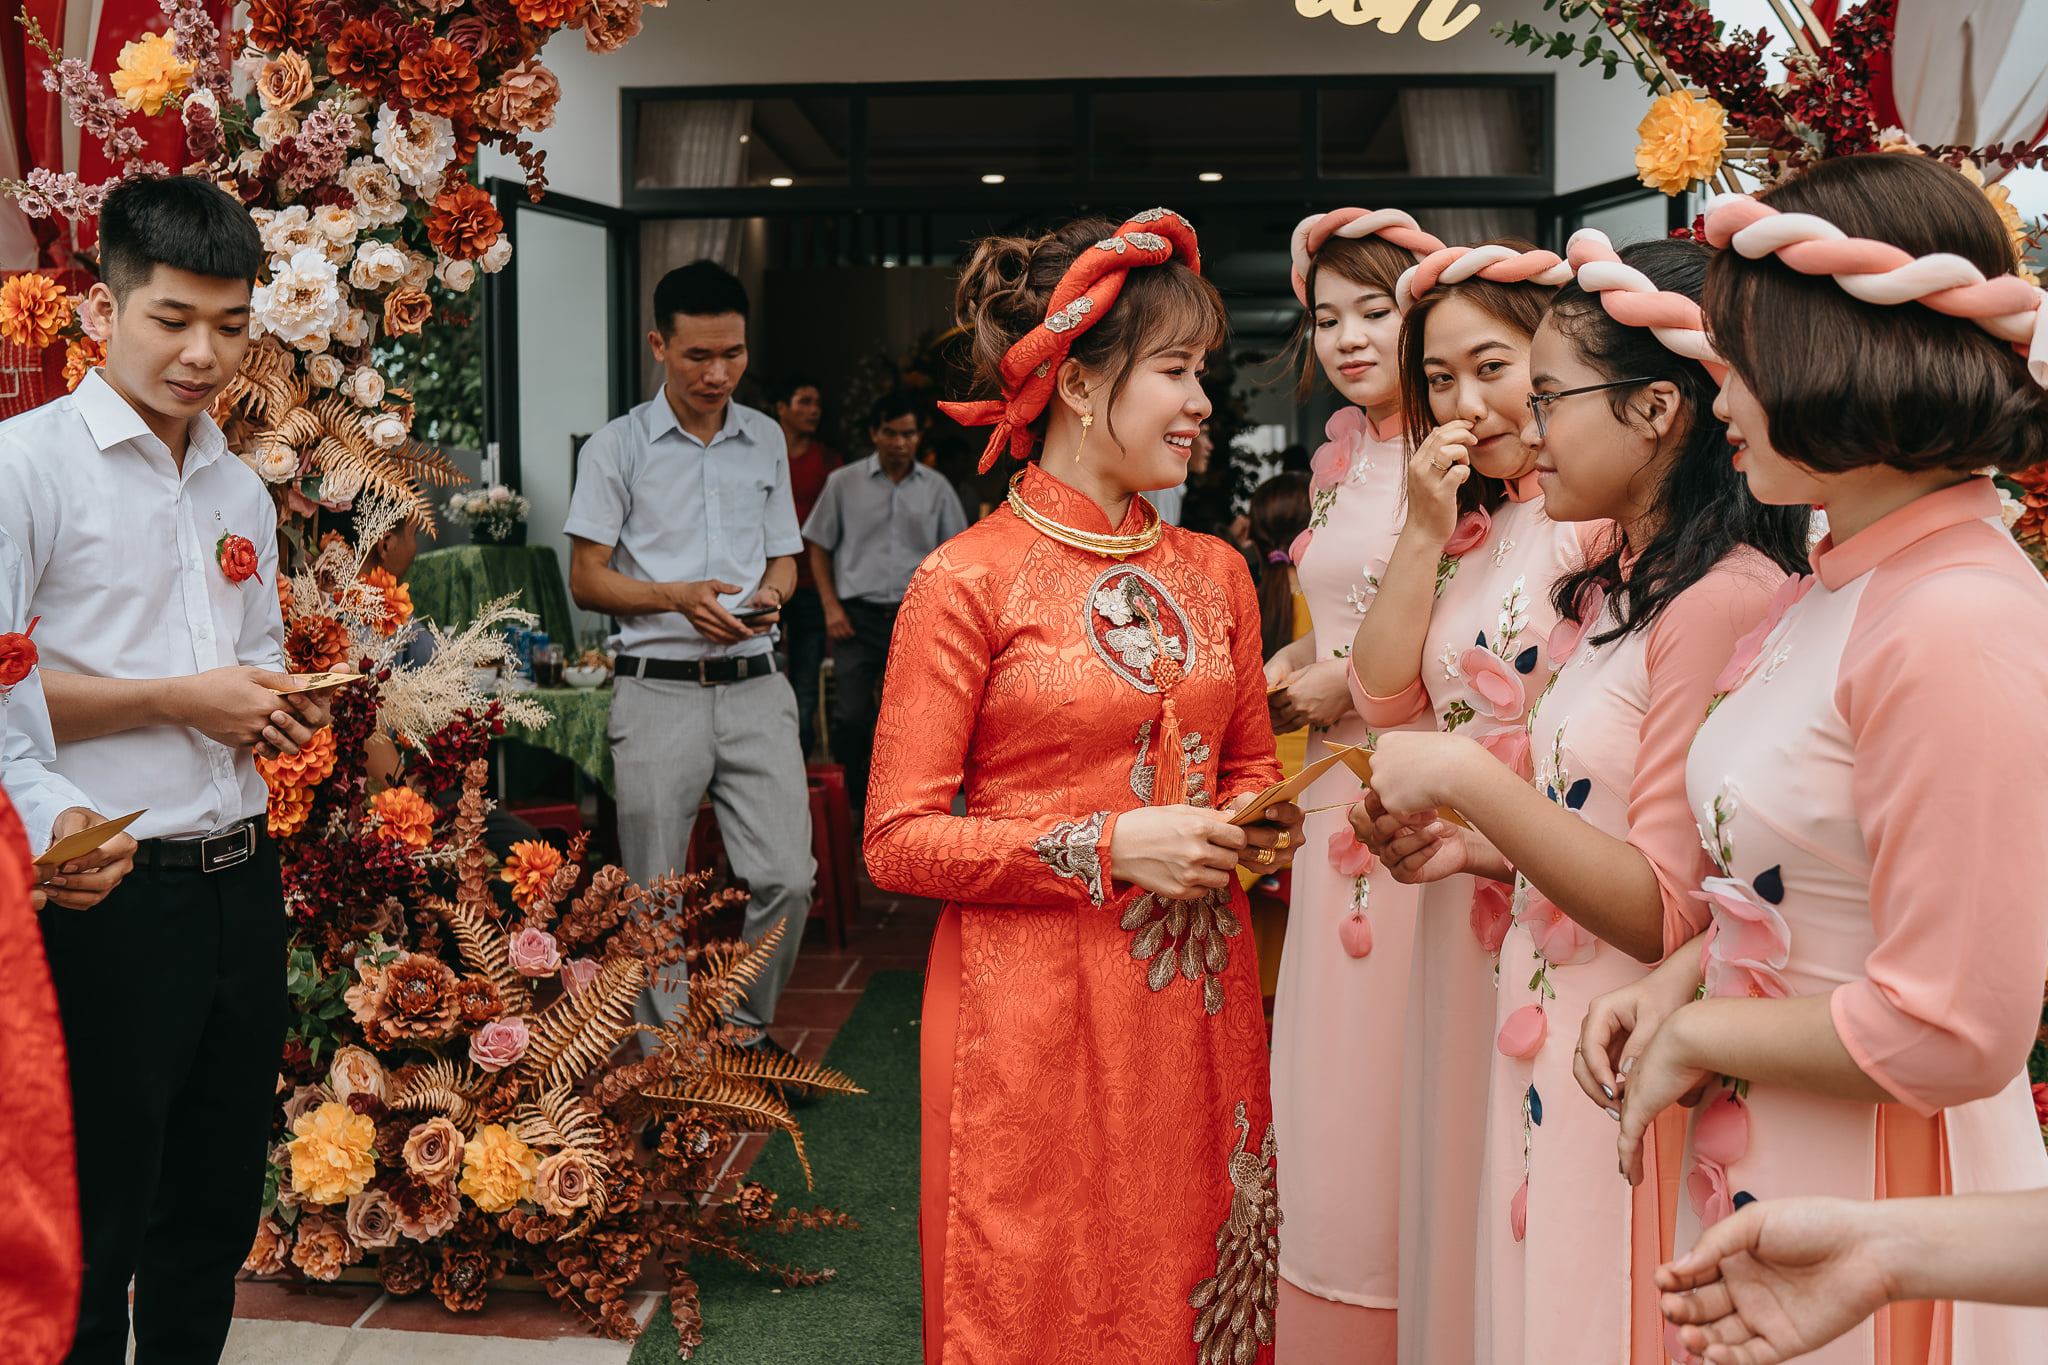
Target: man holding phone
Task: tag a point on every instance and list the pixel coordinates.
(683, 526)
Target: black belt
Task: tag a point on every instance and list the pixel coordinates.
(231, 847)
(705, 672)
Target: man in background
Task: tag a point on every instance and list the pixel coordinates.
(874, 524)
(683, 527)
(799, 408)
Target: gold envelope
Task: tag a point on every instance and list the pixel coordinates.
(85, 841)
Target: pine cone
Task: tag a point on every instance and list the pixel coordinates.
(402, 1270)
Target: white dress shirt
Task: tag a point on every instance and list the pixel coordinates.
(26, 749)
(120, 563)
(675, 510)
(1167, 501)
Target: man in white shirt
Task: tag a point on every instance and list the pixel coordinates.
(682, 525)
(162, 660)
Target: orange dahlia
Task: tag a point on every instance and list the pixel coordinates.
(397, 600)
(313, 643)
(438, 77)
(1683, 140)
(34, 309)
(546, 14)
(291, 779)
(81, 357)
(278, 24)
(531, 867)
(406, 816)
(464, 223)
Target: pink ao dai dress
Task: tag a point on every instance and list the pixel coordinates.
(1484, 660)
(1873, 795)
(1337, 1019)
(1565, 1246)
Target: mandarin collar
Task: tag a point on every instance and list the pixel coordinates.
(1386, 435)
(1070, 507)
(1840, 565)
(1524, 489)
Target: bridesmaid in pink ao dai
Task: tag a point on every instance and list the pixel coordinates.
(1457, 632)
(1601, 850)
(1343, 989)
(1871, 787)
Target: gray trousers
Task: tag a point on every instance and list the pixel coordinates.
(674, 741)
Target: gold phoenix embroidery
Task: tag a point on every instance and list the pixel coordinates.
(1235, 1305)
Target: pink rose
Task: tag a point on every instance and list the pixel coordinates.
(577, 973)
(1511, 747)
(1471, 531)
(88, 323)
(372, 1219)
(499, 1043)
(1562, 940)
(1492, 913)
(1566, 636)
(1348, 856)
(534, 952)
(1494, 682)
(1751, 645)
(1522, 1034)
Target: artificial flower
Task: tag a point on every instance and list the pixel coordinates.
(285, 80)
(1471, 532)
(1331, 464)
(312, 344)
(562, 1183)
(2041, 1104)
(609, 25)
(577, 974)
(1510, 744)
(498, 257)
(417, 146)
(1720, 1139)
(281, 1162)
(330, 1156)
(271, 1252)
(433, 1150)
(1522, 1035)
(1561, 940)
(337, 225)
(474, 34)
(500, 1043)
(497, 1169)
(81, 356)
(523, 100)
(1348, 856)
(1566, 636)
(18, 656)
(406, 310)
(397, 606)
(361, 55)
(34, 310)
(464, 223)
(148, 73)
(1354, 932)
(377, 264)
(419, 270)
(303, 299)
(533, 952)
(278, 24)
(477, 1001)
(379, 200)
(1518, 1211)
(89, 321)
(531, 866)
(426, 1209)
(404, 816)
(273, 126)
(356, 1072)
(238, 563)
(364, 385)
(1748, 944)
(1492, 913)
(274, 460)
(1683, 141)
(1494, 683)
(323, 1248)
(455, 276)
(415, 999)
(386, 429)
(371, 1220)
(353, 329)
(314, 642)
(547, 14)
(325, 371)
(438, 76)
(1751, 645)
(340, 484)
(304, 1100)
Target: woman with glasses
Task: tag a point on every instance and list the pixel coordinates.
(1601, 851)
(1455, 632)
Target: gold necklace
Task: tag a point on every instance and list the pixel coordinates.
(1114, 547)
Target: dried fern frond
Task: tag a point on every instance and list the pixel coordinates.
(719, 974)
(440, 1086)
(770, 1066)
(417, 703)
(268, 386)
(740, 1098)
(560, 1120)
(578, 1033)
(483, 946)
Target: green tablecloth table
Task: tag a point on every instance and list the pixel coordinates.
(581, 721)
(451, 587)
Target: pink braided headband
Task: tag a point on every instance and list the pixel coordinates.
(1501, 264)
(1313, 231)
(1877, 272)
(1633, 301)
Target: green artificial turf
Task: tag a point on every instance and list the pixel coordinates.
(863, 1149)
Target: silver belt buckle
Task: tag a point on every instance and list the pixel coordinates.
(223, 851)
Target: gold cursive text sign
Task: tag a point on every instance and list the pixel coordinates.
(1437, 23)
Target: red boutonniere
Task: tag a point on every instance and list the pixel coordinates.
(17, 656)
(237, 558)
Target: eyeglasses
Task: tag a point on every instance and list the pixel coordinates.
(1539, 403)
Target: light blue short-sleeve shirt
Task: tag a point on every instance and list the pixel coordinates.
(676, 510)
(878, 531)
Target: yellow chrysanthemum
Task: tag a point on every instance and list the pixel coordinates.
(531, 867)
(1683, 141)
(497, 1169)
(149, 73)
(2015, 229)
(33, 310)
(332, 1158)
(407, 816)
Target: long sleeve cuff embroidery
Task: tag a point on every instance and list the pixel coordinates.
(1075, 849)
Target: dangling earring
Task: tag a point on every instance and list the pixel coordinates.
(1087, 421)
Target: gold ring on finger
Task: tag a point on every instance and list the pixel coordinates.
(1282, 841)
(1263, 856)
(1438, 465)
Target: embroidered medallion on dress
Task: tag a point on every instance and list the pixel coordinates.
(1123, 604)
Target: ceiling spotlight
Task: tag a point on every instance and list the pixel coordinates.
(992, 178)
(1209, 177)
(744, 136)
(782, 182)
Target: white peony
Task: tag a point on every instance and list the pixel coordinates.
(314, 343)
(277, 462)
(335, 223)
(289, 231)
(353, 329)
(455, 275)
(497, 255)
(379, 200)
(378, 264)
(325, 371)
(274, 126)
(386, 429)
(418, 270)
(417, 152)
(339, 485)
(364, 385)
(303, 299)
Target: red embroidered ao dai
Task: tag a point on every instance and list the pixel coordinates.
(1097, 1141)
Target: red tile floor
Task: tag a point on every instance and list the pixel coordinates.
(287, 1323)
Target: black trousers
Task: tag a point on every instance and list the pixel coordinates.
(803, 640)
(857, 668)
(172, 994)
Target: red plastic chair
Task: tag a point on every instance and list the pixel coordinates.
(832, 845)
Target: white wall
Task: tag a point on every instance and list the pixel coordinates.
(746, 42)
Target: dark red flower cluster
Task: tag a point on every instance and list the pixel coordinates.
(455, 746)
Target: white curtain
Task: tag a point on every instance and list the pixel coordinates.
(1971, 72)
(687, 144)
(1461, 133)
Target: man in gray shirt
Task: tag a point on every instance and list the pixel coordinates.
(682, 526)
(874, 524)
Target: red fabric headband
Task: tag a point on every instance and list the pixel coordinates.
(1084, 296)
